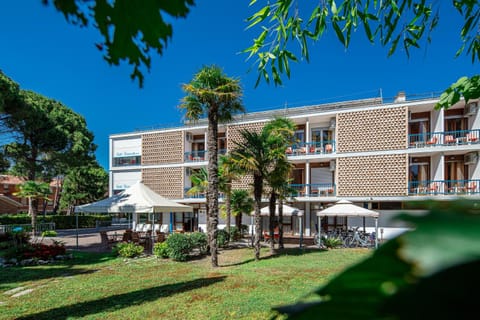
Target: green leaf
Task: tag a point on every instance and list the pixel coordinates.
(339, 33)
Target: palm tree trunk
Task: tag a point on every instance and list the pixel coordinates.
(228, 194)
(257, 190)
(280, 223)
(273, 200)
(33, 214)
(212, 191)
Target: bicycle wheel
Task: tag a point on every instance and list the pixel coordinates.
(347, 242)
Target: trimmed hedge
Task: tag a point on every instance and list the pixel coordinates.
(61, 221)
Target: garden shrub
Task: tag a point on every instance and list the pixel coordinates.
(38, 251)
(199, 240)
(235, 234)
(332, 242)
(179, 246)
(222, 237)
(128, 249)
(161, 250)
(49, 233)
(61, 221)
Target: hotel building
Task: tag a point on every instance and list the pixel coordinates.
(378, 155)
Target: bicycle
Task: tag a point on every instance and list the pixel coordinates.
(360, 239)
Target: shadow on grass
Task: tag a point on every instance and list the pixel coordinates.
(61, 268)
(278, 253)
(124, 300)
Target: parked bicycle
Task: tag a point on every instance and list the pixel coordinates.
(360, 239)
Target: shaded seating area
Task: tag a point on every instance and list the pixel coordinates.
(138, 198)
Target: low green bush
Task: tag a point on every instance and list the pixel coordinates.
(61, 221)
(179, 246)
(199, 241)
(222, 238)
(161, 250)
(332, 242)
(128, 249)
(235, 233)
(49, 233)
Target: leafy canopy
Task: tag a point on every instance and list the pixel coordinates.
(130, 31)
(287, 27)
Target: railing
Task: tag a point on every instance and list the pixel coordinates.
(304, 148)
(40, 227)
(195, 156)
(444, 187)
(445, 138)
(313, 190)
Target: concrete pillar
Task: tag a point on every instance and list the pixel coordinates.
(308, 230)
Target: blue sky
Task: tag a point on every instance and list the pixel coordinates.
(43, 53)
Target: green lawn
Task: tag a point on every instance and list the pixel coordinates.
(98, 286)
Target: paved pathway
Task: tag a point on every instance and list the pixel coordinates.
(88, 239)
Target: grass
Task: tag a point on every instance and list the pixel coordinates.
(99, 286)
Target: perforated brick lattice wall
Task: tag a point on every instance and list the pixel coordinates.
(371, 130)
(233, 134)
(167, 182)
(163, 147)
(384, 175)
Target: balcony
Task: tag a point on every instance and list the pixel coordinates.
(444, 187)
(304, 148)
(447, 138)
(198, 156)
(313, 190)
(195, 156)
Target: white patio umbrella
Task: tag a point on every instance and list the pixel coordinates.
(287, 211)
(138, 198)
(345, 208)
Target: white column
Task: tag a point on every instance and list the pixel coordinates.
(307, 178)
(308, 139)
(308, 223)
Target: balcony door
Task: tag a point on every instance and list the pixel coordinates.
(320, 136)
(419, 173)
(419, 126)
(456, 172)
(455, 122)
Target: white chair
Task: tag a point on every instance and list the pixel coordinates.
(164, 228)
(156, 227)
(147, 227)
(139, 227)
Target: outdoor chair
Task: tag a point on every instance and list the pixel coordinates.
(127, 235)
(471, 137)
(433, 140)
(449, 139)
(471, 187)
(160, 236)
(105, 240)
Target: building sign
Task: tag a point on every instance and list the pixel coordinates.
(127, 147)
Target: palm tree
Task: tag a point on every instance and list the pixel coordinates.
(241, 203)
(281, 132)
(217, 96)
(199, 179)
(33, 190)
(253, 156)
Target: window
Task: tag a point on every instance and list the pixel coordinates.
(127, 161)
(184, 221)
